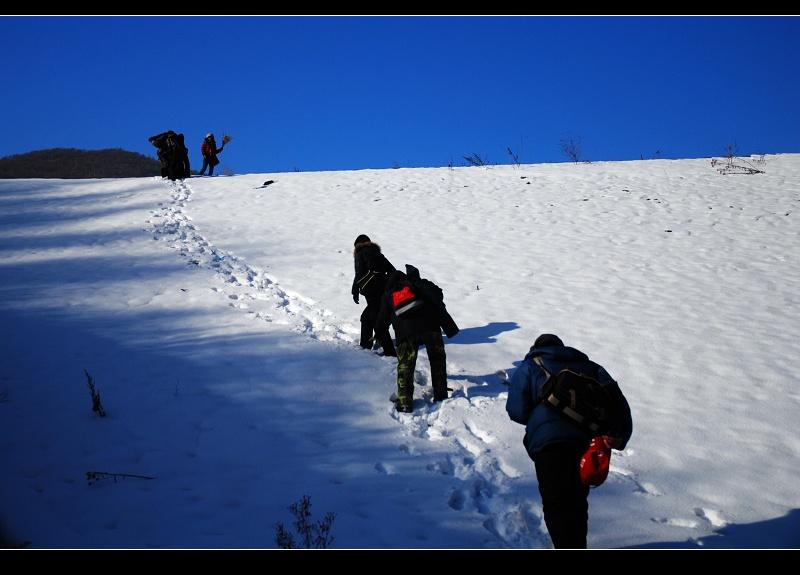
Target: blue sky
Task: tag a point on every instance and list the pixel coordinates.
(340, 93)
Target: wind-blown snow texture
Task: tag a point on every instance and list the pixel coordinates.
(216, 319)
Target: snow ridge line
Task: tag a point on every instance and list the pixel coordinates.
(243, 282)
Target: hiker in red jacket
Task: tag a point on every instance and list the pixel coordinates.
(210, 151)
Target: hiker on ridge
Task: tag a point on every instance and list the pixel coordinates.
(209, 150)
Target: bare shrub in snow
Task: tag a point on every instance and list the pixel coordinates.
(97, 405)
(571, 149)
(311, 535)
(514, 157)
(93, 477)
(732, 164)
(475, 160)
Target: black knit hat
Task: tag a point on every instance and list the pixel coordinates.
(361, 239)
(548, 340)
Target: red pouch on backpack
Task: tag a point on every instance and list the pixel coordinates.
(404, 300)
(595, 462)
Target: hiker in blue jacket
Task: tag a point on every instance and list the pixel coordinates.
(554, 443)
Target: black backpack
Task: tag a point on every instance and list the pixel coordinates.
(405, 300)
(167, 146)
(431, 292)
(582, 399)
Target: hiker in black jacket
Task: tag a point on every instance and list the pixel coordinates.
(372, 269)
(415, 317)
(173, 155)
(181, 168)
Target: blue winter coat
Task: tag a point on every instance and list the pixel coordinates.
(543, 425)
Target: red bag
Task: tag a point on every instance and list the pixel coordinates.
(595, 462)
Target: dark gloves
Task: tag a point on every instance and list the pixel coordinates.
(355, 297)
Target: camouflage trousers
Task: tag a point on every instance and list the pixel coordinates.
(407, 361)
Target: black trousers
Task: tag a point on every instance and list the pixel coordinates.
(368, 317)
(564, 498)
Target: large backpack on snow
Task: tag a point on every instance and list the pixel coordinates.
(594, 407)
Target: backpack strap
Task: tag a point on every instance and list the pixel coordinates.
(547, 389)
(548, 384)
(537, 359)
(365, 279)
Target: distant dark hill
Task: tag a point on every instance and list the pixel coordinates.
(74, 163)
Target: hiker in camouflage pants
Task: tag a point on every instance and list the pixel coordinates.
(417, 324)
(407, 361)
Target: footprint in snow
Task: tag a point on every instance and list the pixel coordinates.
(478, 433)
(676, 522)
(457, 500)
(711, 515)
(385, 468)
(649, 488)
(444, 467)
(481, 494)
(408, 449)
(473, 449)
